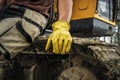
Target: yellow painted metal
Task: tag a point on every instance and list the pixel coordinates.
(83, 9)
(105, 20)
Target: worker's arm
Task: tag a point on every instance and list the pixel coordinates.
(61, 39)
(65, 9)
(2, 3)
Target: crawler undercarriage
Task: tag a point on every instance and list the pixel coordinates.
(89, 59)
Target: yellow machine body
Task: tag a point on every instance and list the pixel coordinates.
(83, 9)
(87, 9)
(93, 17)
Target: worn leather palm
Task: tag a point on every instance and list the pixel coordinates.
(60, 39)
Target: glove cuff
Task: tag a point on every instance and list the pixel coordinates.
(61, 25)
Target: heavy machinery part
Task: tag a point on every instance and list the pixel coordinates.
(107, 55)
(102, 58)
(98, 59)
(93, 17)
(77, 73)
(110, 58)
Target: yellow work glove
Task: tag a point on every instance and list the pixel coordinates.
(60, 39)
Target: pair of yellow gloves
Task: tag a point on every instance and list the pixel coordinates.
(60, 39)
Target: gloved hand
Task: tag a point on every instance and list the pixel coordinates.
(60, 39)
